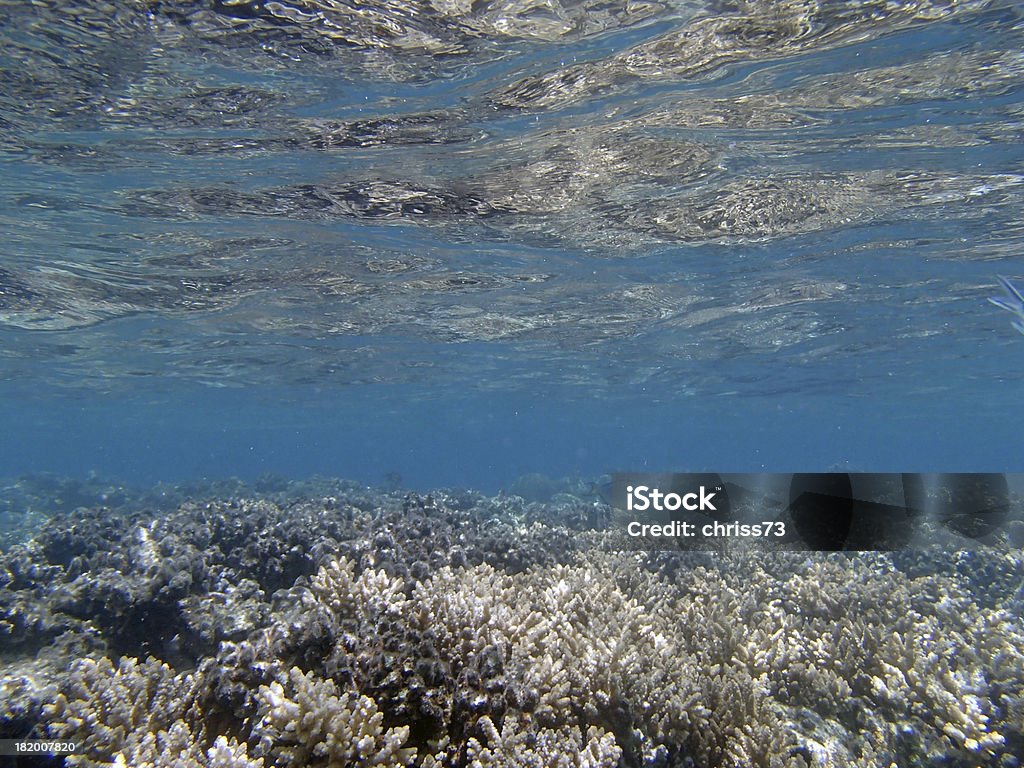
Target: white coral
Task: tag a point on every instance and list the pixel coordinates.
(311, 724)
(521, 744)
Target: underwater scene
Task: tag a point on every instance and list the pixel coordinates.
(512, 383)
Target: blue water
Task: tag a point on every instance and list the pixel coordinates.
(240, 248)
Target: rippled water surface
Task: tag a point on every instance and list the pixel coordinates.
(508, 224)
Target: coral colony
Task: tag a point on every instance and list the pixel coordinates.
(358, 628)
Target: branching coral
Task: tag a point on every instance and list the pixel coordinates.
(310, 724)
(520, 744)
(586, 653)
(729, 660)
(177, 748)
(108, 709)
(135, 715)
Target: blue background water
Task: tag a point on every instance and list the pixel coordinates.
(487, 442)
(905, 368)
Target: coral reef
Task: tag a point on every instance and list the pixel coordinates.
(313, 725)
(519, 745)
(456, 630)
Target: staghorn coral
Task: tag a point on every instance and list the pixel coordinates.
(312, 725)
(365, 598)
(584, 653)
(177, 748)
(109, 709)
(521, 745)
(749, 664)
(136, 714)
(913, 651)
(176, 586)
(388, 652)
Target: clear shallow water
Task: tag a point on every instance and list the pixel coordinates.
(465, 243)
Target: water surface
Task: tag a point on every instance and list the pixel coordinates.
(466, 241)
